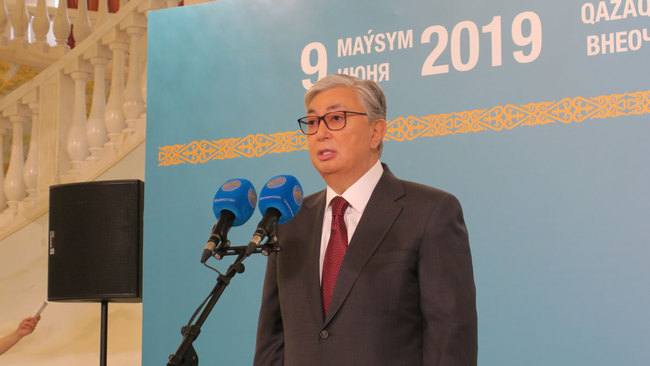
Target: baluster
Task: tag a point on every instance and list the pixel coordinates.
(62, 27)
(40, 25)
(77, 144)
(82, 27)
(19, 23)
(14, 181)
(102, 13)
(133, 103)
(114, 115)
(3, 197)
(31, 164)
(4, 20)
(96, 129)
(144, 87)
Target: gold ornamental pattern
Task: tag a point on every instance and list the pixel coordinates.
(248, 147)
(497, 118)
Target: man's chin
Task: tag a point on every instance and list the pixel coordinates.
(326, 170)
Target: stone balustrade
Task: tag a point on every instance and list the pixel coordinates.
(53, 137)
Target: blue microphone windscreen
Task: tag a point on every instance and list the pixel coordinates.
(237, 196)
(284, 193)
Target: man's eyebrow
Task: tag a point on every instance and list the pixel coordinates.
(334, 107)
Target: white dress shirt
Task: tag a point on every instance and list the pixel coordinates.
(357, 195)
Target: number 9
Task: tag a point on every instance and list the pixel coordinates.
(534, 38)
(321, 62)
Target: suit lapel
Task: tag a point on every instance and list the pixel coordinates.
(314, 228)
(378, 217)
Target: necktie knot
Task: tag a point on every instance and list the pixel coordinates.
(339, 205)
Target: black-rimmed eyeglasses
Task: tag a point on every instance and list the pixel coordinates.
(333, 120)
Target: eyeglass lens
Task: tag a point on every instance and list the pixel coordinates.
(333, 120)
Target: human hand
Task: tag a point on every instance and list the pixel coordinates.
(27, 325)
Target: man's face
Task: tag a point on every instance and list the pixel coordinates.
(343, 156)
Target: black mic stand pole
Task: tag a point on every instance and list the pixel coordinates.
(185, 354)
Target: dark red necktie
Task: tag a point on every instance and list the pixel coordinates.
(336, 247)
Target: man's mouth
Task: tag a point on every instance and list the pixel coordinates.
(326, 154)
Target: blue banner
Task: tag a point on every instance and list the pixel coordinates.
(534, 114)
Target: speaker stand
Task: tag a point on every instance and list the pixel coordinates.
(103, 339)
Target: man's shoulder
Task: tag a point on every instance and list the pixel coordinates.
(423, 189)
(311, 204)
(421, 198)
(416, 190)
(314, 198)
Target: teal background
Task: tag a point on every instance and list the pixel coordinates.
(557, 214)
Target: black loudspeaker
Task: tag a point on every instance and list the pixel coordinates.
(95, 241)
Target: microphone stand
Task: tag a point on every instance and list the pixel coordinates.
(185, 354)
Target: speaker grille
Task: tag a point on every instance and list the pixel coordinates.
(95, 248)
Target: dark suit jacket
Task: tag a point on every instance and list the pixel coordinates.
(404, 295)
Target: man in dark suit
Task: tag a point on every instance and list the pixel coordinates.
(373, 270)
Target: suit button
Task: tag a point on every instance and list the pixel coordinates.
(324, 334)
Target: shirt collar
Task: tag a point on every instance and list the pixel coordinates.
(358, 194)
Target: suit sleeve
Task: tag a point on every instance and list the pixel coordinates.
(447, 291)
(269, 348)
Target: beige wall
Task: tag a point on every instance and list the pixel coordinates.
(68, 333)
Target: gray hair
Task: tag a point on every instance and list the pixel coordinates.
(370, 94)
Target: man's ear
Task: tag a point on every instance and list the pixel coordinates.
(378, 132)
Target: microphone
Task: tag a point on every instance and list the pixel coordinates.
(280, 201)
(233, 205)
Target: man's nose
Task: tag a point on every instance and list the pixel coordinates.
(323, 131)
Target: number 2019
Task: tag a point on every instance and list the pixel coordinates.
(532, 39)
